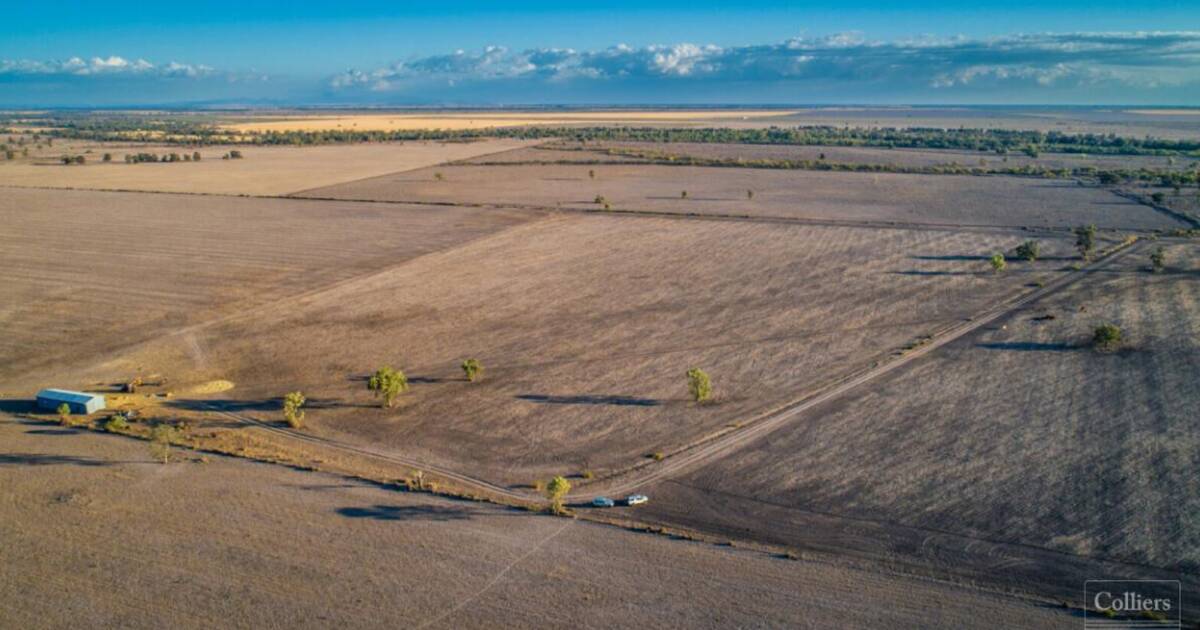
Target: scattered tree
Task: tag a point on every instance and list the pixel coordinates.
(998, 262)
(293, 409)
(683, 194)
(107, 157)
(600, 200)
(1157, 197)
(699, 385)
(1106, 337)
(1085, 240)
(556, 491)
(64, 414)
(473, 369)
(1028, 251)
(196, 156)
(388, 383)
(438, 176)
(161, 438)
(591, 174)
(117, 423)
(749, 194)
(1158, 259)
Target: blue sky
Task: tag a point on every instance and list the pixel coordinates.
(93, 53)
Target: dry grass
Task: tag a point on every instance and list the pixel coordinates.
(1020, 433)
(878, 197)
(587, 325)
(263, 170)
(85, 273)
(309, 550)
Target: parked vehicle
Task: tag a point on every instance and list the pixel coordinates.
(636, 499)
(604, 502)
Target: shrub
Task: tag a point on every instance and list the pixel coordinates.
(161, 438)
(1158, 197)
(387, 383)
(117, 423)
(1028, 251)
(235, 155)
(683, 194)
(699, 385)
(107, 157)
(587, 474)
(293, 412)
(749, 194)
(556, 491)
(1085, 240)
(600, 200)
(1106, 337)
(657, 456)
(64, 414)
(438, 176)
(591, 174)
(473, 369)
(1158, 259)
(998, 262)
(196, 156)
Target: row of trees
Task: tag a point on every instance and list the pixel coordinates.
(138, 158)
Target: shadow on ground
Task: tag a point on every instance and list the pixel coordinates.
(408, 513)
(590, 400)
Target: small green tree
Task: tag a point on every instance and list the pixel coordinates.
(600, 200)
(438, 176)
(556, 491)
(293, 409)
(1106, 337)
(699, 385)
(1028, 251)
(998, 262)
(196, 156)
(64, 414)
(1158, 197)
(1158, 259)
(683, 194)
(473, 369)
(591, 174)
(1085, 240)
(161, 438)
(388, 383)
(117, 423)
(107, 157)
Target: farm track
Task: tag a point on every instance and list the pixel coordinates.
(723, 443)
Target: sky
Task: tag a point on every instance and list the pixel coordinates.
(257, 52)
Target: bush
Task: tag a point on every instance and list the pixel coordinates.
(601, 201)
(998, 262)
(683, 194)
(587, 474)
(749, 194)
(556, 491)
(117, 423)
(699, 385)
(1106, 337)
(293, 412)
(1028, 251)
(64, 414)
(161, 438)
(1085, 241)
(1158, 197)
(387, 383)
(1158, 260)
(473, 369)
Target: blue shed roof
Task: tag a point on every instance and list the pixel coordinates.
(65, 395)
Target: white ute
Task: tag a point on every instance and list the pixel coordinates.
(636, 499)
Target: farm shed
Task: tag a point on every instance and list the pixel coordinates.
(79, 402)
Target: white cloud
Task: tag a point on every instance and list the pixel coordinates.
(101, 66)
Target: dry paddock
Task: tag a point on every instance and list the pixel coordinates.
(97, 534)
(814, 195)
(586, 324)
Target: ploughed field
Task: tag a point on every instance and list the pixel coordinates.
(86, 273)
(271, 170)
(1017, 453)
(96, 530)
(792, 194)
(586, 325)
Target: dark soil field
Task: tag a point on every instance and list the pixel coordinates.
(1019, 448)
(810, 195)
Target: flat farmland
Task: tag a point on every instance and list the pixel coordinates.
(84, 273)
(586, 326)
(262, 171)
(312, 550)
(858, 197)
(1018, 451)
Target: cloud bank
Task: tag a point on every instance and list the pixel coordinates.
(932, 68)
(101, 66)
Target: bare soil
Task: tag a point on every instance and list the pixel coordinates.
(97, 533)
(878, 197)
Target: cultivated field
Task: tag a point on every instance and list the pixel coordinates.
(821, 195)
(1018, 452)
(95, 530)
(262, 171)
(86, 273)
(586, 325)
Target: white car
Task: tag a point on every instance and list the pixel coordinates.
(636, 499)
(603, 502)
